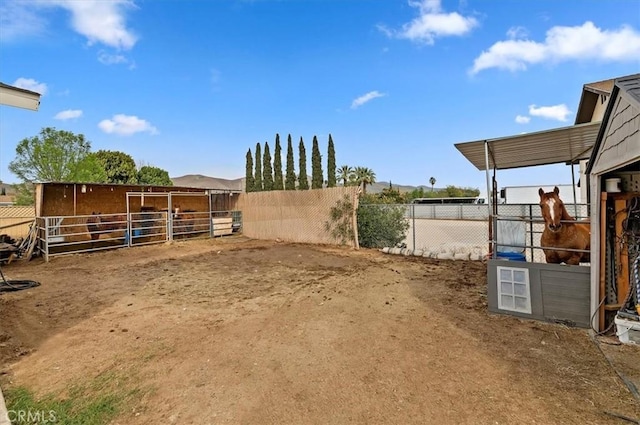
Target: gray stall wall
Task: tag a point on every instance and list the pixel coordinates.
(558, 293)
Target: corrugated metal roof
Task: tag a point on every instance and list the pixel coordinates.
(7, 86)
(559, 145)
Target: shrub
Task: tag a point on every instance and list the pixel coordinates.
(381, 225)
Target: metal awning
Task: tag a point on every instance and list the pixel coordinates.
(560, 145)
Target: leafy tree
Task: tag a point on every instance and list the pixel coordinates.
(257, 180)
(24, 194)
(290, 180)
(267, 171)
(316, 165)
(278, 184)
(345, 173)
(303, 181)
(379, 224)
(432, 182)
(249, 182)
(331, 164)
(119, 166)
(154, 176)
(364, 176)
(56, 156)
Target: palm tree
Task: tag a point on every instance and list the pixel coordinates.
(364, 176)
(344, 173)
(432, 181)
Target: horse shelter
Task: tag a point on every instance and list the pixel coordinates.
(84, 217)
(605, 292)
(516, 284)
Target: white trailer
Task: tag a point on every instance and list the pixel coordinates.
(529, 194)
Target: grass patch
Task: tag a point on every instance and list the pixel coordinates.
(96, 403)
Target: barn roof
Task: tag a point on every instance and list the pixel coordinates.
(558, 145)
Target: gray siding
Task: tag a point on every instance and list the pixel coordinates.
(559, 293)
(621, 142)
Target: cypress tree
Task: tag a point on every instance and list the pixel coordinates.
(290, 180)
(257, 185)
(278, 184)
(267, 171)
(331, 164)
(249, 180)
(316, 165)
(303, 182)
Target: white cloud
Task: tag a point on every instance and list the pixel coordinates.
(126, 125)
(19, 20)
(365, 98)
(555, 112)
(521, 119)
(517, 32)
(101, 21)
(110, 59)
(431, 23)
(31, 84)
(585, 42)
(68, 114)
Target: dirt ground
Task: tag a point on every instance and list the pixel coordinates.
(235, 331)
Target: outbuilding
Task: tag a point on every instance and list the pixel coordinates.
(614, 185)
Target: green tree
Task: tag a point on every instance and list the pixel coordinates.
(364, 176)
(278, 183)
(119, 166)
(331, 164)
(257, 179)
(345, 173)
(154, 176)
(267, 171)
(379, 224)
(316, 165)
(290, 180)
(249, 182)
(432, 182)
(303, 181)
(56, 156)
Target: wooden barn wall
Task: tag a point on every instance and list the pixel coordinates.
(559, 293)
(292, 216)
(60, 199)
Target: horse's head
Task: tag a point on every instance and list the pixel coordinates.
(552, 208)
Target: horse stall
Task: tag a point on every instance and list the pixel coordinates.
(84, 217)
(614, 184)
(521, 281)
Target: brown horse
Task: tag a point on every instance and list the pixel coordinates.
(98, 224)
(183, 221)
(561, 232)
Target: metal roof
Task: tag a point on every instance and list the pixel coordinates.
(559, 145)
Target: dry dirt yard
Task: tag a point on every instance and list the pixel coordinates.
(236, 331)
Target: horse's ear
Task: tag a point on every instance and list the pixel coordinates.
(556, 190)
(540, 192)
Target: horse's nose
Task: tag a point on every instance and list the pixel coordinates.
(554, 227)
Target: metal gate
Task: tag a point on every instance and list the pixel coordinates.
(148, 215)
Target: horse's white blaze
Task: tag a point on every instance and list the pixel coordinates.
(550, 204)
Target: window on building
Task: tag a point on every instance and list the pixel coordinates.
(514, 293)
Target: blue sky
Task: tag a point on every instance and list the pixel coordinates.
(189, 86)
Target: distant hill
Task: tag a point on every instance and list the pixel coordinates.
(198, 180)
(206, 182)
(378, 186)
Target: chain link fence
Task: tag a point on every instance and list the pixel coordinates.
(462, 230)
